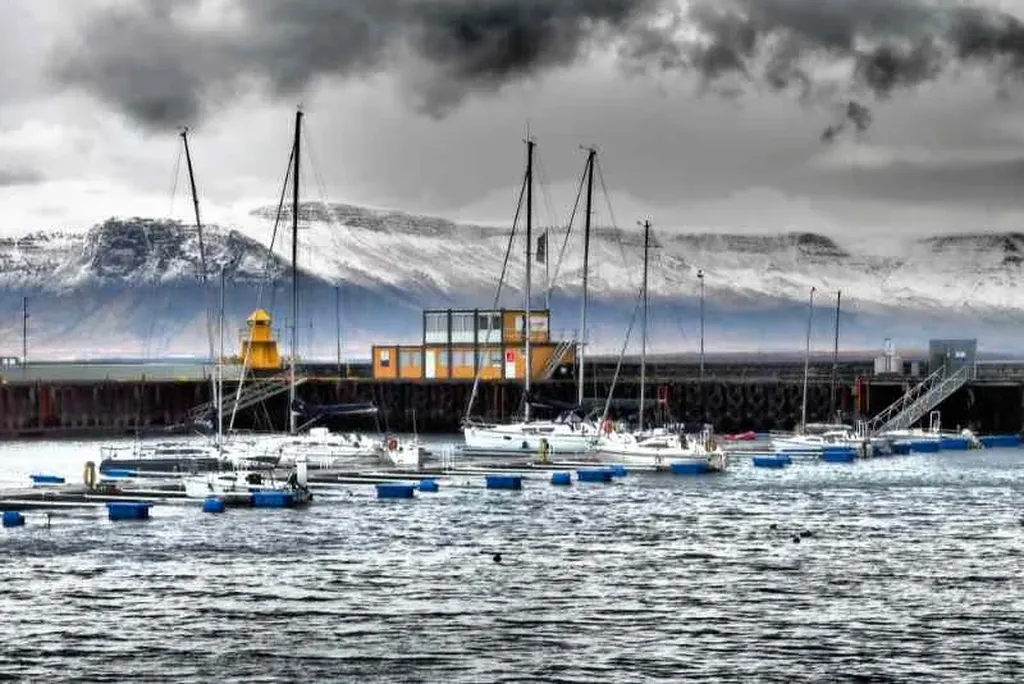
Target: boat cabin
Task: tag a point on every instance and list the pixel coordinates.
(457, 343)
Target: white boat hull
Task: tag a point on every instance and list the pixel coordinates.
(521, 438)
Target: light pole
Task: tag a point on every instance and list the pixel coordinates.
(700, 277)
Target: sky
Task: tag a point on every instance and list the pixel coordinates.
(852, 118)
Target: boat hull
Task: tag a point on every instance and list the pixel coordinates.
(512, 441)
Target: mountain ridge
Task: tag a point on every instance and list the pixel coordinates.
(133, 285)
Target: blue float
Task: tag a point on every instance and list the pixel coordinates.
(692, 468)
(395, 491)
(272, 498)
(561, 479)
(924, 446)
(117, 472)
(428, 485)
(838, 455)
(951, 443)
(13, 519)
(602, 475)
(619, 471)
(213, 505)
(514, 482)
(47, 479)
(128, 510)
(771, 461)
(1000, 441)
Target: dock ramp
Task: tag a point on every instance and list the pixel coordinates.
(920, 400)
(251, 394)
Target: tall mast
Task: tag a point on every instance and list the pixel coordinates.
(295, 270)
(199, 233)
(643, 330)
(220, 362)
(835, 359)
(527, 328)
(807, 363)
(591, 154)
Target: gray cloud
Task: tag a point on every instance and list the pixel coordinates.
(19, 176)
(166, 64)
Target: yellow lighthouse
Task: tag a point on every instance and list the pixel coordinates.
(259, 335)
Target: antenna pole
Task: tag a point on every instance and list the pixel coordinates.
(591, 154)
(337, 323)
(295, 270)
(24, 331)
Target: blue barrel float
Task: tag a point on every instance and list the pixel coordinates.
(776, 462)
(272, 498)
(600, 475)
(46, 479)
(689, 468)
(901, 448)
(561, 479)
(954, 443)
(839, 455)
(395, 491)
(924, 446)
(996, 441)
(619, 471)
(13, 519)
(213, 505)
(428, 485)
(514, 482)
(128, 510)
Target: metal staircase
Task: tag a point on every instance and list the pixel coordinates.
(919, 400)
(251, 395)
(557, 358)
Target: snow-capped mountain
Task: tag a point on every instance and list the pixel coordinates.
(133, 286)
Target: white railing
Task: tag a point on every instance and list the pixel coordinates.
(917, 402)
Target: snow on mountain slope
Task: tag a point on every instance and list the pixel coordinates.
(132, 286)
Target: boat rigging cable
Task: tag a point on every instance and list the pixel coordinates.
(262, 284)
(497, 292)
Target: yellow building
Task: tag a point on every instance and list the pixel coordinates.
(259, 334)
(457, 343)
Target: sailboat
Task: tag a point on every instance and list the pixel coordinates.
(659, 449)
(296, 486)
(568, 434)
(187, 456)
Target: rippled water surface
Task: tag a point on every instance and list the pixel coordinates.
(908, 569)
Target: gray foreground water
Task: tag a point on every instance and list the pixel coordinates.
(909, 571)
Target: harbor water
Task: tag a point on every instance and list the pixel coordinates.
(901, 569)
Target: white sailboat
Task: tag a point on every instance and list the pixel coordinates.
(566, 435)
(658, 448)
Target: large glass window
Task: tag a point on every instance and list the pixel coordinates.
(463, 329)
(410, 359)
(436, 327)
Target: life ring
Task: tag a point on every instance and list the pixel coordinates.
(392, 443)
(89, 474)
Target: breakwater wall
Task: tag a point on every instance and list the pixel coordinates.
(55, 409)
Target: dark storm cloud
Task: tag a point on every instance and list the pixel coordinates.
(165, 64)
